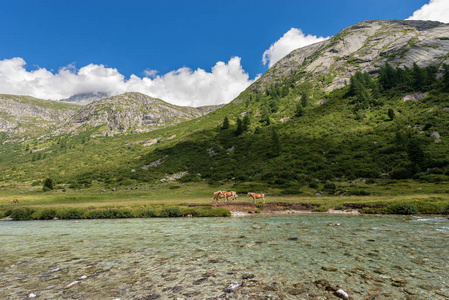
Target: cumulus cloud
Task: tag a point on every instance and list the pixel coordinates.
(291, 40)
(182, 87)
(435, 10)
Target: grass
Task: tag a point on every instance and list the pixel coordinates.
(164, 201)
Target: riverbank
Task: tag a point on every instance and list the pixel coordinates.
(230, 209)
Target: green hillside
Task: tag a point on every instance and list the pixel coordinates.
(277, 138)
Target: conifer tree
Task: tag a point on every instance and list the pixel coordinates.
(246, 122)
(275, 143)
(305, 98)
(239, 129)
(225, 123)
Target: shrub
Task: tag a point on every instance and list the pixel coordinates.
(313, 185)
(370, 181)
(45, 214)
(170, 212)
(22, 214)
(329, 186)
(112, 213)
(359, 193)
(147, 213)
(70, 213)
(340, 207)
(402, 209)
(319, 209)
(48, 185)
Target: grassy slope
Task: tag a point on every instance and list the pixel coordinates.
(331, 142)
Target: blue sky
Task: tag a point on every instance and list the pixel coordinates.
(168, 43)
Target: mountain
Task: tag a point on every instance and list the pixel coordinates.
(363, 47)
(23, 116)
(330, 114)
(85, 98)
(27, 116)
(130, 112)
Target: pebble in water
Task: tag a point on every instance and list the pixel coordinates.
(342, 294)
(232, 287)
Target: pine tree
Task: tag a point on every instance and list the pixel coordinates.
(391, 114)
(48, 184)
(275, 143)
(446, 77)
(305, 98)
(418, 77)
(265, 116)
(299, 111)
(225, 123)
(416, 155)
(239, 129)
(246, 122)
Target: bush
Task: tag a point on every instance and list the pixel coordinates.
(329, 186)
(402, 209)
(370, 181)
(147, 213)
(401, 173)
(319, 209)
(170, 212)
(48, 185)
(45, 214)
(70, 213)
(209, 212)
(22, 214)
(340, 207)
(359, 193)
(112, 213)
(313, 185)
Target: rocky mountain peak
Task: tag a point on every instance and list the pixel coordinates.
(364, 47)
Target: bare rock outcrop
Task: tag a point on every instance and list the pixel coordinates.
(363, 47)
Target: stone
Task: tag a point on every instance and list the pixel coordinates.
(72, 284)
(435, 135)
(199, 281)
(341, 294)
(151, 297)
(232, 287)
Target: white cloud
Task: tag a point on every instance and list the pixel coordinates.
(291, 40)
(435, 10)
(182, 87)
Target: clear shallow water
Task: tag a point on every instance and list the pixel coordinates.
(289, 257)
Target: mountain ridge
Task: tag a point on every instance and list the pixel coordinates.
(364, 47)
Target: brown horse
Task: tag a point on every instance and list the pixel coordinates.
(15, 201)
(256, 196)
(231, 194)
(217, 196)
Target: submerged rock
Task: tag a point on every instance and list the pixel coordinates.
(342, 294)
(232, 287)
(199, 281)
(151, 297)
(72, 284)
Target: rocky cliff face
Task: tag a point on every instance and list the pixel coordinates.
(364, 47)
(22, 115)
(129, 112)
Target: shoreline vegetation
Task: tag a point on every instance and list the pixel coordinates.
(174, 199)
(424, 206)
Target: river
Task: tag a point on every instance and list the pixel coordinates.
(310, 256)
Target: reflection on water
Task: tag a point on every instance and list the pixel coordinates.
(289, 257)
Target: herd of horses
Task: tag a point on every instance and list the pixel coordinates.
(232, 195)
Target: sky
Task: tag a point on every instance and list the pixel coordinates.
(184, 52)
